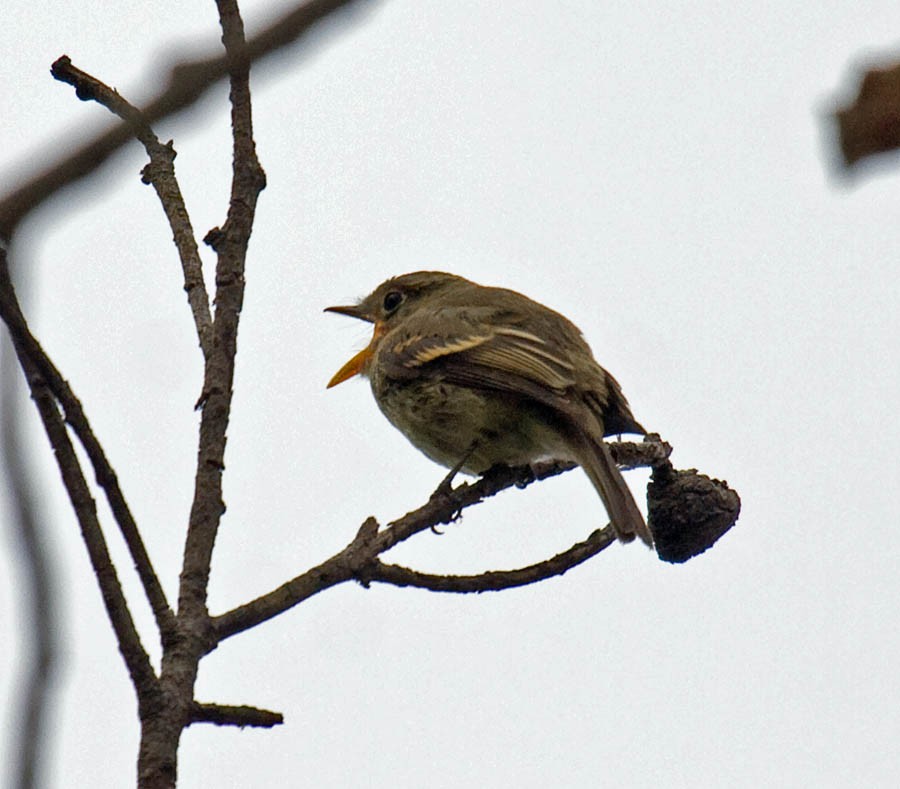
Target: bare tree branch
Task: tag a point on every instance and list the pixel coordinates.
(166, 706)
(444, 506)
(161, 729)
(230, 244)
(341, 567)
(37, 591)
(27, 346)
(138, 663)
(689, 510)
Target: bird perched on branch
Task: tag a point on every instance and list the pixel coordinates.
(477, 376)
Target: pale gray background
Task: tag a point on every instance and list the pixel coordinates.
(658, 174)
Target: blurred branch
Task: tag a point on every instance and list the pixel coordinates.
(188, 81)
(870, 124)
(37, 591)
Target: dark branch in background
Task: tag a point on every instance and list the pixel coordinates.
(38, 592)
(870, 125)
(187, 83)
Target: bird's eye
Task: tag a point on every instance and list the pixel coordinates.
(392, 300)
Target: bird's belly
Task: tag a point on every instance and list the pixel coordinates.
(451, 424)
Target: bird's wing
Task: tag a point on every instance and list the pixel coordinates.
(489, 351)
(480, 355)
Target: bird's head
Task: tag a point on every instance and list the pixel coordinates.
(385, 307)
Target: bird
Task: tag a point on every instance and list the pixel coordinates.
(477, 376)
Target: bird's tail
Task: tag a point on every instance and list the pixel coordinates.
(597, 462)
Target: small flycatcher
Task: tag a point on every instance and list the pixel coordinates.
(483, 376)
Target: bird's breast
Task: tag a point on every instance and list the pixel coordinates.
(448, 422)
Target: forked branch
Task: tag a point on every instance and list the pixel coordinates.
(83, 504)
(359, 559)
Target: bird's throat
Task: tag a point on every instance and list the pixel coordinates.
(358, 363)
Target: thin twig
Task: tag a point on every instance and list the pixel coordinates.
(493, 580)
(227, 715)
(160, 172)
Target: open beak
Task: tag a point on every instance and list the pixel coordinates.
(358, 363)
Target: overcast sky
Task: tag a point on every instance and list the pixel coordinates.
(658, 175)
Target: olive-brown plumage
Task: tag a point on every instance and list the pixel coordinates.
(482, 376)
